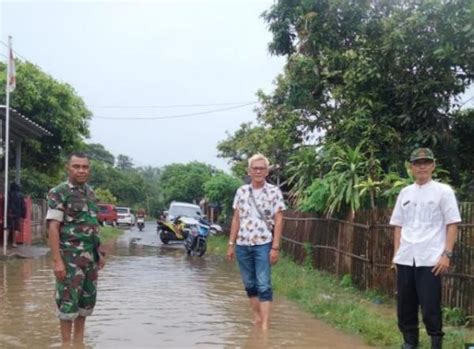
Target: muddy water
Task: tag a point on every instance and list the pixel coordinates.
(152, 295)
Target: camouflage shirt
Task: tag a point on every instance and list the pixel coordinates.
(76, 208)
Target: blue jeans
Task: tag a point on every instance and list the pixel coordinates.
(255, 270)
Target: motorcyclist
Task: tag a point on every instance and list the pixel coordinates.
(141, 213)
(140, 218)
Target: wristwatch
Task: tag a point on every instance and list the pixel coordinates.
(231, 243)
(447, 253)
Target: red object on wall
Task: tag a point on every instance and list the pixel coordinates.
(25, 233)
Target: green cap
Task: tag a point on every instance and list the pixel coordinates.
(421, 153)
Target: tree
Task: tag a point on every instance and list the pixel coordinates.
(98, 152)
(384, 71)
(246, 141)
(221, 189)
(55, 106)
(105, 196)
(374, 78)
(305, 167)
(184, 182)
(124, 162)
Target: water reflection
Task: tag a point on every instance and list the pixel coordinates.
(153, 295)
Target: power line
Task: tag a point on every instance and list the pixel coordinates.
(166, 106)
(175, 116)
(466, 101)
(15, 52)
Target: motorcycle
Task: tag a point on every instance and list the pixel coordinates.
(196, 242)
(177, 230)
(141, 223)
(215, 229)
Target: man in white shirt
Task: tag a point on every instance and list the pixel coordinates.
(425, 217)
(255, 234)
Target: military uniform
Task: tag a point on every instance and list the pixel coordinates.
(76, 208)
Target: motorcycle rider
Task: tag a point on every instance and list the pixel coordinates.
(141, 213)
(140, 218)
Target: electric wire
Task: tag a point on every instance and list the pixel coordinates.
(165, 106)
(17, 54)
(187, 115)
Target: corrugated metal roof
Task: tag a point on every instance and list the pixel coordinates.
(21, 126)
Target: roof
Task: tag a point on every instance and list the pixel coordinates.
(21, 127)
(184, 204)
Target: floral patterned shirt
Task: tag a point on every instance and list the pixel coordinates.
(253, 229)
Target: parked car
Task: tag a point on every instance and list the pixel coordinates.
(183, 209)
(125, 216)
(107, 214)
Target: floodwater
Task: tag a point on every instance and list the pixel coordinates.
(152, 295)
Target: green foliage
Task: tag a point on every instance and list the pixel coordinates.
(454, 316)
(109, 234)
(37, 183)
(350, 165)
(308, 258)
(369, 187)
(247, 141)
(124, 162)
(303, 170)
(317, 196)
(346, 281)
(393, 184)
(184, 182)
(99, 153)
(54, 105)
(136, 188)
(105, 196)
(221, 189)
(373, 78)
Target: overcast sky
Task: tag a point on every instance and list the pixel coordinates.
(136, 59)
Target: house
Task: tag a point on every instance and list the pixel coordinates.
(21, 129)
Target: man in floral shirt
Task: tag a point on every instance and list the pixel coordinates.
(255, 236)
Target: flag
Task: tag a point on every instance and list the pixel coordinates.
(11, 76)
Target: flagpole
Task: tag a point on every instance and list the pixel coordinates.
(7, 151)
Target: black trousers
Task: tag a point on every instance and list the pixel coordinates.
(418, 286)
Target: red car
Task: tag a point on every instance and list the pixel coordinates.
(107, 214)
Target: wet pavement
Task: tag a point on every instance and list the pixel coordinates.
(153, 295)
(24, 251)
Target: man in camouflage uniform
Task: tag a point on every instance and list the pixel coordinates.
(73, 234)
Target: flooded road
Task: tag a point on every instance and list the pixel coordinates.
(152, 295)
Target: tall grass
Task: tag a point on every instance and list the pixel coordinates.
(109, 233)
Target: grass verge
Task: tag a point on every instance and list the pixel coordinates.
(340, 304)
(109, 233)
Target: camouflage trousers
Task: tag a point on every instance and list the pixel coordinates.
(76, 294)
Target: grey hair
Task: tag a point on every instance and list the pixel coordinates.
(257, 157)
